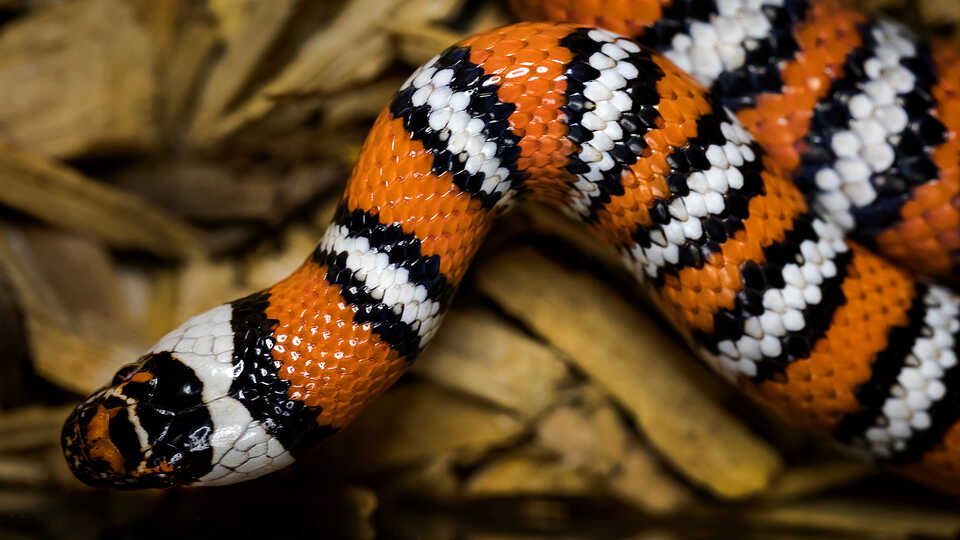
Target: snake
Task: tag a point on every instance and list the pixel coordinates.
(776, 173)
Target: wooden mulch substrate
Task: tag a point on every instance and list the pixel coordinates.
(159, 157)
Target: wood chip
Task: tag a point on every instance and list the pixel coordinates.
(363, 503)
(252, 27)
(551, 222)
(204, 284)
(24, 502)
(15, 360)
(940, 12)
(593, 441)
(421, 40)
(421, 43)
(77, 350)
(435, 479)
(80, 363)
(305, 184)
(479, 354)
(860, 517)
(417, 421)
(522, 474)
(193, 52)
(417, 12)
(34, 293)
(162, 313)
(350, 50)
(23, 471)
(63, 197)
(261, 196)
(644, 482)
(96, 49)
(174, 188)
(267, 266)
(626, 353)
(81, 273)
(804, 480)
(358, 104)
(30, 428)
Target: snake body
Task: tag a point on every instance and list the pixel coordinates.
(729, 184)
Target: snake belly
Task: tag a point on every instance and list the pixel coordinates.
(830, 336)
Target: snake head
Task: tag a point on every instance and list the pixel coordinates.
(200, 408)
(148, 428)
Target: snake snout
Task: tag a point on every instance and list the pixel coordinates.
(138, 432)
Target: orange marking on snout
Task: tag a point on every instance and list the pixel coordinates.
(99, 444)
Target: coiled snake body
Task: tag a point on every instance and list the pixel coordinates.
(729, 172)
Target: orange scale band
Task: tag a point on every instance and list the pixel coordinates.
(537, 94)
(940, 466)
(780, 121)
(329, 360)
(816, 392)
(681, 103)
(393, 179)
(694, 295)
(927, 238)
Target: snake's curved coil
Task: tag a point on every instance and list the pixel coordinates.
(768, 289)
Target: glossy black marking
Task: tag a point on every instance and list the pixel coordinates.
(913, 164)
(758, 278)
(717, 228)
(884, 371)
(124, 437)
(738, 88)
(257, 384)
(404, 250)
(383, 320)
(485, 105)
(634, 123)
(171, 410)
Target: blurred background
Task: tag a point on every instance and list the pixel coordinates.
(160, 157)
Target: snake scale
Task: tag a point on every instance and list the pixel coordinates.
(747, 158)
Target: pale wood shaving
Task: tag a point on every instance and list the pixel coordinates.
(478, 353)
(522, 474)
(863, 517)
(352, 45)
(97, 50)
(623, 350)
(256, 26)
(64, 197)
(416, 421)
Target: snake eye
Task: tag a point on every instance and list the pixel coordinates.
(124, 373)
